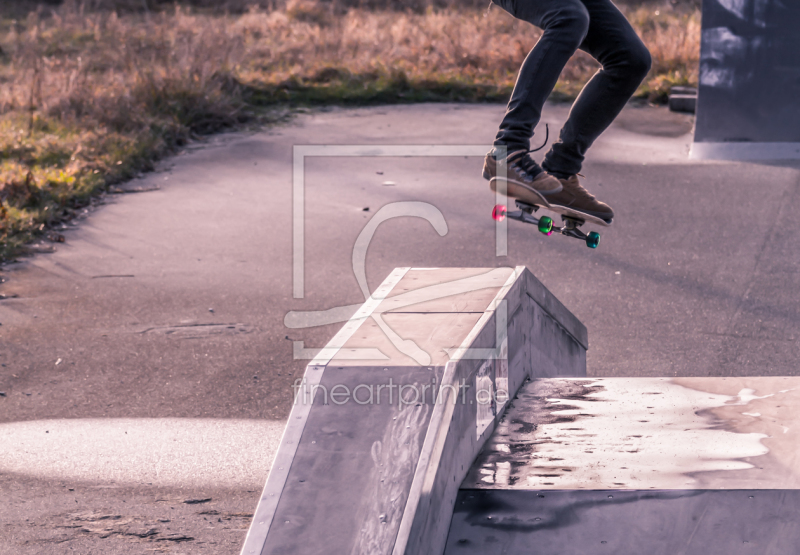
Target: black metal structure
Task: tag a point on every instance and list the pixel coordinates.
(749, 95)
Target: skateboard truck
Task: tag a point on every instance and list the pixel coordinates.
(571, 227)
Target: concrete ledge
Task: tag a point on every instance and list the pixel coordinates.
(376, 477)
(699, 466)
(745, 151)
(557, 311)
(699, 522)
(683, 103)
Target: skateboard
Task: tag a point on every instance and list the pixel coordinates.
(571, 219)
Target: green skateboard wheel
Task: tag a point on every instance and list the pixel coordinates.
(545, 225)
(592, 239)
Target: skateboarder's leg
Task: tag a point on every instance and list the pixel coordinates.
(625, 62)
(565, 24)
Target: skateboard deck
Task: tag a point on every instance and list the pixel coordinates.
(529, 201)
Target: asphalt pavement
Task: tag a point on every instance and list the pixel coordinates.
(146, 369)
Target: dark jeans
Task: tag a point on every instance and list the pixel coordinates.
(596, 27)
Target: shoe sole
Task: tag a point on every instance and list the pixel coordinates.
(579, 215)
(530, 195)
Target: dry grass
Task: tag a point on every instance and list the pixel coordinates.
(89, 98)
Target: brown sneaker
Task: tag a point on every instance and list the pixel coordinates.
(525, 179)
(574, 196)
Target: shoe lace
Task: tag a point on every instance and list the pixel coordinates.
(527, 164)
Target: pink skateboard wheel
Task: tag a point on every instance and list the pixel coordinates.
(499, 213)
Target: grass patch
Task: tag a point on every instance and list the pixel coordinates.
(91, 98)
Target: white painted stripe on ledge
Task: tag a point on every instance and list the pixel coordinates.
(433, 446)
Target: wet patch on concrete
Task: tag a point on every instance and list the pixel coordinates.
(641, 433)
(506, 457)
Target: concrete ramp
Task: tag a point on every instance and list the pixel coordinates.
(696, 466)
(391, 414)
